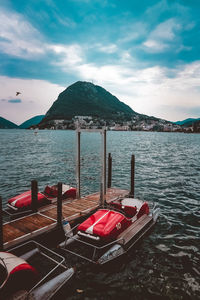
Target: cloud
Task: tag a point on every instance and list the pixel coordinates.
(65, 21)
(15, 101)
(149, 90)
(69, 54)
(111, 48)
(155, 46)
(156, 10)
(132, 31)
(18, 37)
(162, 36)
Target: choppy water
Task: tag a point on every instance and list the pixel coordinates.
(166, 264)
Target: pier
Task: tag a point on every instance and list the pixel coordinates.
(47, 219)
(31, 226)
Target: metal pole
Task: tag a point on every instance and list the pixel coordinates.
(34, 195)
(103, 168)
(78, 165)
(1, 225)
(104, 160)
(59, 205)
(109, 170)
(132, 192)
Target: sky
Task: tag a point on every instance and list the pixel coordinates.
(146, 53)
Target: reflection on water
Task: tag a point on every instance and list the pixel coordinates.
(166, 263)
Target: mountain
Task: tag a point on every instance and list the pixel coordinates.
(33, 121)
(86, 99)
(187, 122)
(5, 124)
(91, 106)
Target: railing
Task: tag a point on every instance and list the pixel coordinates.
(94, 247)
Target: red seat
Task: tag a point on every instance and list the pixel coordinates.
(24, 200)
(129, 211)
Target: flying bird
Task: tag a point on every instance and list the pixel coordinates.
(17, 93)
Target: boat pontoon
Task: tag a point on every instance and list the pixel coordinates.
(31, 271)
(110, 231)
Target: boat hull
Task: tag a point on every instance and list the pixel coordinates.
(104, 251)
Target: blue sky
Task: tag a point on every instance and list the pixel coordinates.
(144, 52)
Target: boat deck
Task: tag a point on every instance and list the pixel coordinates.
(134, 229)
(28, 227)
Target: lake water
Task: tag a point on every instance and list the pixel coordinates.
(166, 264)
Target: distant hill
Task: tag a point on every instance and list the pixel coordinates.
(5, 124)
(91, 106)
(187, 122)
(86, 99)
(33, 121)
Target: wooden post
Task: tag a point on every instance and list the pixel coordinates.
(34, 195)
(101, 202)
(1, 225)
(59, 205)
(132, 192)
(109, 170)
(78, 166)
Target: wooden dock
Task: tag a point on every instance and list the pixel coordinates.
(28, 227)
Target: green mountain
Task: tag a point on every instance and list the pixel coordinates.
(5, 124)
(31, 122)
(196, 126)
(86, 99)
(187, 122)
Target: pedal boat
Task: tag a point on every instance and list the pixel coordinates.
(111, 231)
(49, 195)
(20, 275)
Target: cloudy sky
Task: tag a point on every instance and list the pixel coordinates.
(147, 53)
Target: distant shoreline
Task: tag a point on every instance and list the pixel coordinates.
(115, 130)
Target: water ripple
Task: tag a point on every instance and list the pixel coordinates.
(163, 265)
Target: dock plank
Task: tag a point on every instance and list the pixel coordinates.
(25, 226)
(11, 233)
(78, 205)
(66, 211)
(39, 220)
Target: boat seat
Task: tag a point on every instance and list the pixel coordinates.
(129, 211)
(131, 207)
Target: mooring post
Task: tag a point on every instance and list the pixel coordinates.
(1, 225)
(59, 205)
(101, 202)
(132, 192)
(34, 195)
(109, 170)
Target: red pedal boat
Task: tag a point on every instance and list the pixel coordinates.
(113, 230)
(50, 193)
(22, 277)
